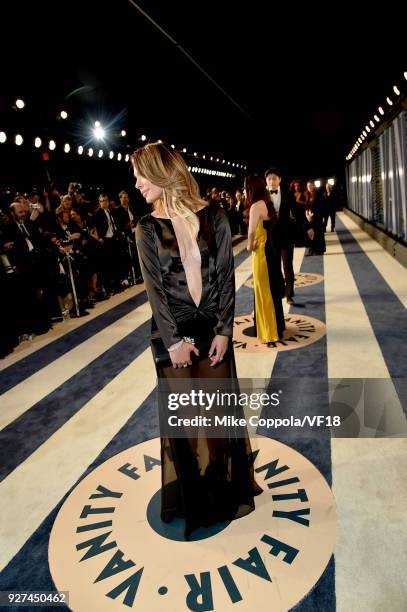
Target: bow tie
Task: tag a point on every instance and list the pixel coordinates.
(273, 190)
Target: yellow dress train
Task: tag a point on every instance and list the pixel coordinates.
(266, 323)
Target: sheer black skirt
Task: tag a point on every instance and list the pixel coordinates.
(206, 480)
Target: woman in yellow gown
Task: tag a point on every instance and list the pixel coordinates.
(267, 278)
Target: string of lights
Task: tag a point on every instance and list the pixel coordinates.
(101, 134)
(377, 118)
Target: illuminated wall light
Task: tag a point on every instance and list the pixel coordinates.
(97, 124)
(376, 118)
(144, 138)
(99, 132)
(396, 90)
(37, 143)
(100, 154)
(223, 161)
(371, 123)
(160, 141)
(123, 133)
(3, 137)
(90, 152)
(63, 114)
(389, 102)
(18, 140)
(184, 150)
(67, 148)
(119, 156)
(203, 156)
(364, 133)
(80, 150)
(217, 159)
(111, 155)
(172, 146)
(211, 158)
(381, 111)
(52, 145)
(127, 157)
(20, 103)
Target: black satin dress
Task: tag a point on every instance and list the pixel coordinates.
(205, 480)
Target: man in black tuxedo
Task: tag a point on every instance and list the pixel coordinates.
(284, 231)
(128, 216)
(108, 230)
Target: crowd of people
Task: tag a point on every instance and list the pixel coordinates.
(62, 253)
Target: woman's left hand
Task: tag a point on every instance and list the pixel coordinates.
(218, 349)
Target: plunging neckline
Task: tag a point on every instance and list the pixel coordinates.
(192, 270)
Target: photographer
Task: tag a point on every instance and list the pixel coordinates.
(69, 241)
(10, 329)
(26, 251)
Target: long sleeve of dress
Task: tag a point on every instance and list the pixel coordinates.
(150, 268)
(225, 273)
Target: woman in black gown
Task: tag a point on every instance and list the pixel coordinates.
(187, 264)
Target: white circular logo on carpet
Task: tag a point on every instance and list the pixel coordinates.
(110, 550)
(300, 331)
(301, 279)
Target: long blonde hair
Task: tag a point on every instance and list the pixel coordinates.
(166, 168)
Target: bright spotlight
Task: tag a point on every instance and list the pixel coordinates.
(195, 154)
(67, 148)
(63, 114)
(127, 157)
(99, 133)
(100, 154)
(381, 111)
(111, 155)
(80, 150)
(389, 102)
(184, 150)
(97, 124)
(144, 137)
(18, 140)
(396, 90)
(123, 133)
(172, 146)
(3, 137)
(37, 143)
(331, 181)
(317, 184)
(20, 103)
(52, 145)
(376, 118)
(119, 156)
(90, 152)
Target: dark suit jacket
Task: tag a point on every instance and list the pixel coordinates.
(101, 222)
(284, 230)
(123, 218)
